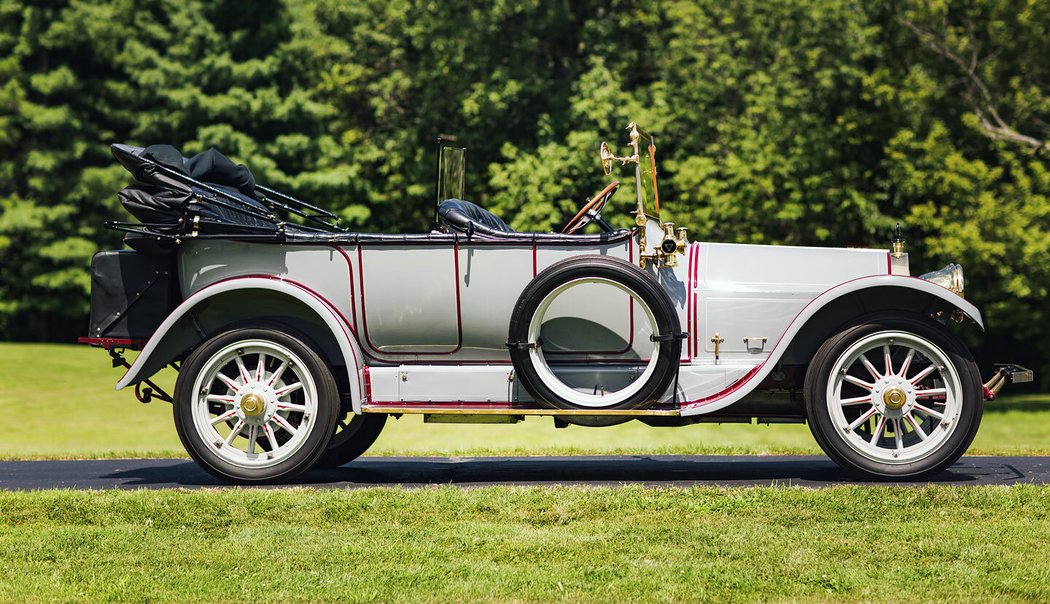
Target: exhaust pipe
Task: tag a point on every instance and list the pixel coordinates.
(1006, 373)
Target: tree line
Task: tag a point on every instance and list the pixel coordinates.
(811, 122)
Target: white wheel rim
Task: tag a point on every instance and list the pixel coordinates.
(266, 429)
(563, 390)
(878, 373)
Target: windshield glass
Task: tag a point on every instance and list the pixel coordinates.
(452, 173)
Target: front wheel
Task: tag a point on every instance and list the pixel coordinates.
(255, 406)
(895, 397)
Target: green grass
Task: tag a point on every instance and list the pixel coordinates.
(528, 545)
(532, 544)
(59, 402)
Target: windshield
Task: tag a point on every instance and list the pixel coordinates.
(452, 173)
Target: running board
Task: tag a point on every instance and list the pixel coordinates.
(460, 410)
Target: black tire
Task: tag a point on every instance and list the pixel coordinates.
(320, 424)
(625, 274)
(833, 439)
(349, 442)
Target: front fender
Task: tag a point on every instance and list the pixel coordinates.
(180, 331)
(949, 297)
(811, 312)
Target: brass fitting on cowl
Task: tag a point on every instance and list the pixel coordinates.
(897, 246)
(668, 228)
(669, 246)
(665, 253)
(644, 260)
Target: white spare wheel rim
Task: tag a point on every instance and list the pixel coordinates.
(573, 395)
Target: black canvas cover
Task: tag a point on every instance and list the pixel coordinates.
(165, 204)
(176, 198)
(163, 207)
(209, 166)
(156, 205)
(131, 294)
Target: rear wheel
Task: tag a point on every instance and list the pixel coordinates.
(896, 397)
(354, 434)
(255, 406)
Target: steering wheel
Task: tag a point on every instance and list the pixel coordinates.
(592, 209)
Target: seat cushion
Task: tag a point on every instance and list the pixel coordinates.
(459, 215)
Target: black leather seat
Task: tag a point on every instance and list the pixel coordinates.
(466, 217)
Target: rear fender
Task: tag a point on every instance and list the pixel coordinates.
(243, 300)
(828, 312)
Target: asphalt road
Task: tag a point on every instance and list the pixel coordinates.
(655, 470)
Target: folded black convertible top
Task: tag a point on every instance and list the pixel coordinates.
(208, 166)
(176, 197)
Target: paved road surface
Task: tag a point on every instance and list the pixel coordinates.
(656, 470)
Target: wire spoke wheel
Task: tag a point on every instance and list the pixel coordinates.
(895, 396)
(254, 403)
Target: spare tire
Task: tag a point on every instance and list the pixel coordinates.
(526, 345)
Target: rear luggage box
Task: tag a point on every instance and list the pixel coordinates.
(131, 294)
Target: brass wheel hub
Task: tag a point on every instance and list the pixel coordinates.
(894, 398)
(252, 405)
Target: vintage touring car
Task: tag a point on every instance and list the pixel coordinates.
(295, 340)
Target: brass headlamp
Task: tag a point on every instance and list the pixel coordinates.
(949, 277)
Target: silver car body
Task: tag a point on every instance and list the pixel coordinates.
(422, 323)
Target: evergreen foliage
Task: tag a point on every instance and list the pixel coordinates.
(813, 122)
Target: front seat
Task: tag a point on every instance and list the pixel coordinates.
(470, 218)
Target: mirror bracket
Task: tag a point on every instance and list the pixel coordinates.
(608, 158)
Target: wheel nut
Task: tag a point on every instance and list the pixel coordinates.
(894, 398)
(252, 405)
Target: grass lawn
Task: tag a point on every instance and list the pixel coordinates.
(517, 544)
(59, 401)
(528, 545)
